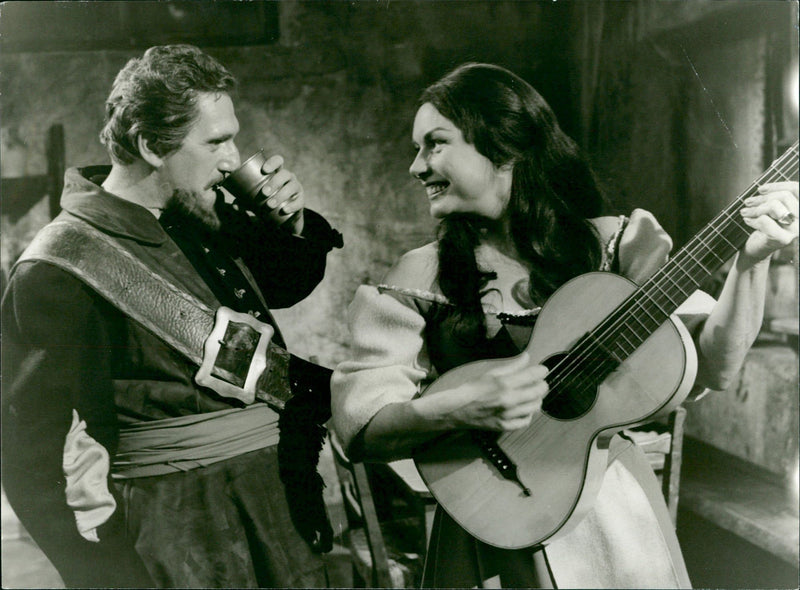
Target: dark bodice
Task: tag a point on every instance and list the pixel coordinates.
(507, 334)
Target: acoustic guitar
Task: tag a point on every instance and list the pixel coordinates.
(617, 357)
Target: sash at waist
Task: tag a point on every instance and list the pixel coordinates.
(170, 445)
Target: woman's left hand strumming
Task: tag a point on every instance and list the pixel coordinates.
(773, 214)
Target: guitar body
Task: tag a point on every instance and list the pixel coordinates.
(561, 460)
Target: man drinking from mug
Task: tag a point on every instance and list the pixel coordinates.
(155, 429)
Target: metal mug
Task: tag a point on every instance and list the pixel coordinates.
(247, 181)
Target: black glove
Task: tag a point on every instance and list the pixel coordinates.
(302, 437)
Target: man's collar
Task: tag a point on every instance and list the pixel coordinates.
(83, 197)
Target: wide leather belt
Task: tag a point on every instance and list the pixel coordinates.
(234, 351)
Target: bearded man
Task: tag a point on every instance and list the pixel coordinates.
(147, 430)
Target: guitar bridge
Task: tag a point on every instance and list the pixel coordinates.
(487, 442)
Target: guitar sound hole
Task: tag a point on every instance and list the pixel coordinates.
(571, 394)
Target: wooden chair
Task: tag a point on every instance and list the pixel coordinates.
(411, 486)
(381, 558)
(376, 497)
(662, 442)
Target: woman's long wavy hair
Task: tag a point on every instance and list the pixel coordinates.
(553, 189)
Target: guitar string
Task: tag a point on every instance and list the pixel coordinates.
(511, 438)
(601, 333)
(641, 298)
(601, 336)
(776, 166)
(607, 328)
(649, 307)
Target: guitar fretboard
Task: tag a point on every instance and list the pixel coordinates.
(623, 331)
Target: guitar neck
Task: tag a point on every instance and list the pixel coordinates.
(650, 306)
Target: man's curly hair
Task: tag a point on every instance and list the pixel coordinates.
(155, 97)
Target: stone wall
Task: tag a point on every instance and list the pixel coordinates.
(682, 128)
(668, 98)
(335, 96)
(756, 418)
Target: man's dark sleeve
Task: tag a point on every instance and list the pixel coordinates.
(56, 355)
(287, 268)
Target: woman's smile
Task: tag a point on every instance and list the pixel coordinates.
(457, 178)
(435, 189)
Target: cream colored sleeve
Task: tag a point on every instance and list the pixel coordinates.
(643, 248)
(86, 464)
(388, 361)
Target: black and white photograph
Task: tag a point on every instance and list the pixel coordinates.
(399, 294)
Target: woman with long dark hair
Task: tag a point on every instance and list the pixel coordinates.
(520, 215)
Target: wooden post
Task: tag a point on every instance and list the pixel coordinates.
(56, 167)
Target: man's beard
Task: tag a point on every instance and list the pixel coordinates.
(188, 206)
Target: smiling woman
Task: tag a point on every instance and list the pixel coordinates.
(518, 210)
(457, 178)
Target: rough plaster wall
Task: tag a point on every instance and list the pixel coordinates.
(756, 418)
(335, 96)
(677, 127)
(725, 124)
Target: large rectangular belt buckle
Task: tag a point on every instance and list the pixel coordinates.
(234, 355)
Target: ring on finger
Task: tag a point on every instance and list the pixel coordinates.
(787, 219)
